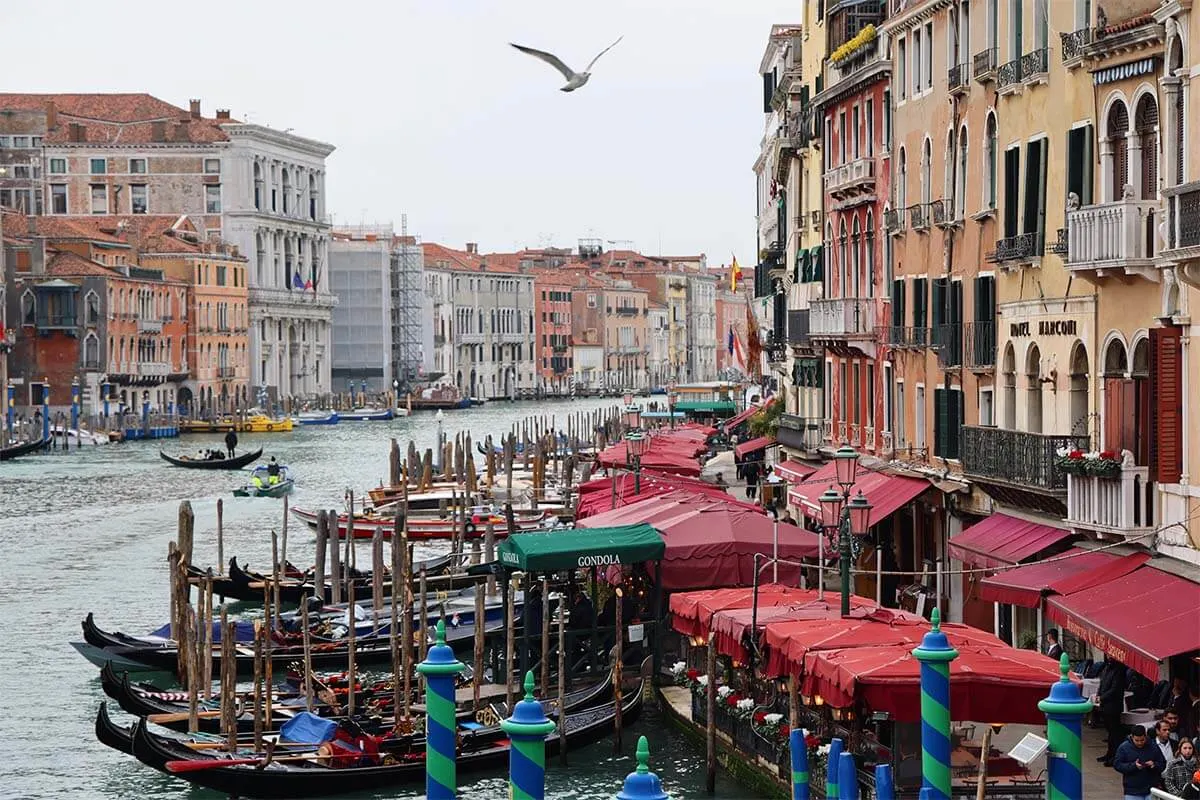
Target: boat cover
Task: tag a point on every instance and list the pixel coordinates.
(308, 728)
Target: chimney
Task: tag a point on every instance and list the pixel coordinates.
(51, 115)
(158, 131)
(223, 113)
(195, 108)
(473, 248)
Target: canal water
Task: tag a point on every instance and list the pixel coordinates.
(88, 531)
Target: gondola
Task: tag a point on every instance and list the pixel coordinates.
(118, 737)
(247, 585)
(23, 449)
(237, 462)
(481, 749)
(365, 525)
(129, 652)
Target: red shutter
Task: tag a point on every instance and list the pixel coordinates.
(1129, 437)
(1166, 445)
(1113, 413)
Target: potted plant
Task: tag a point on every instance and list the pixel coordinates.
(1070, 462)
(1105, 464)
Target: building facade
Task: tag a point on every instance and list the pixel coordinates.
(703, 338)
(553, 331)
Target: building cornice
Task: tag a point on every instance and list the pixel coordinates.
(912, 17)
(855, 83)
(243, 130)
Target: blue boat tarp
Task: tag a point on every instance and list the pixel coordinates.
(244, 632)
(307, 728)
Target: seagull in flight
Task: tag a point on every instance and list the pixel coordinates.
(574, 79)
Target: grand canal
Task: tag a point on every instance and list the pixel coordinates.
(88, 531)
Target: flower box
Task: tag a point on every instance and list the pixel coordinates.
(1104, 464)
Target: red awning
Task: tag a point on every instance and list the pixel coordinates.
(794, 471)
(1001, 541)
(1073, 571)
(731, 625)
(753, 446)
(1140, 618)
(691, 612)
(743, 415)
(987, 684)
(887, 493)
(604, 494)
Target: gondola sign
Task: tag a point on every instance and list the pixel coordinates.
(602, 560)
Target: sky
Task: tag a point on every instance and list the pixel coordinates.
(435, 116)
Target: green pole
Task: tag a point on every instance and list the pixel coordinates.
(844, 551)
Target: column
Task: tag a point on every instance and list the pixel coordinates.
(440, 668)
(642, 784)
(1065, 709)
(935, 655)
(527, 728)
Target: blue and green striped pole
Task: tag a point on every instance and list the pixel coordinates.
(935, 655)
(831, 768)
(1065, 709)
(527, 728)
(799, 764)
(439, 668)
(885, 787)
(847, 777)
(642, 784)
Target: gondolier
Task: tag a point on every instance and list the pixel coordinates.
(231, 443)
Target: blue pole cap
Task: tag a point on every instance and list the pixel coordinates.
(934, 644)
(642, 784)
(440, 659)
(1065, 697)
(528, 717)
(847, 777)
(885, 789)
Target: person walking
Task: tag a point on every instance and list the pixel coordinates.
(1162, 740)
(231, 443)
(1053, 648)
(1140, 764)
(750, 473)
(1180, 769)
(1111, 699)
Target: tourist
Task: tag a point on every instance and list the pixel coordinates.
(231, 442)
(1180, 769)
(272, 467)
(1172, 720)
(1162, 740)
(750, 473)
(1111, 700)
(1140, 764)
(1184, 706)
(1053, 648)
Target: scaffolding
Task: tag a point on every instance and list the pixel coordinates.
(408, 281)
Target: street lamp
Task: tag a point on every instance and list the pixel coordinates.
(849, 516)
(636, 444)
(395, 393)
(633, 415)
(439, 416)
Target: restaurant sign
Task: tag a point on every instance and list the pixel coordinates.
(1045, 327)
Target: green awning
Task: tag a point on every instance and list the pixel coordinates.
(550, 551)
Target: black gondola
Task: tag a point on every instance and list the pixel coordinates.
(23, 449)
(244, 584)
(118, 737)
(237, 462)
(308, 778)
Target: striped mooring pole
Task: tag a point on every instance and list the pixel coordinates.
(935, 655)
(527, 729)
(885, 787)
(439, 668)
(799, 764)
(642, 784)
(831, 768)
(1065, 709)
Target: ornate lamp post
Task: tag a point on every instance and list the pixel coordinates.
(849, 516)
(636, 443)
(439, 416)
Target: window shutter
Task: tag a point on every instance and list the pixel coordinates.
(1142, 419)
(1012, 190)
(768, 91)
(1075, 156)
(804, 95)
(1089, 164)
(939, 302)
(1113, 413)
(956, 302)
(941, 422)
(898, 303)
(1166, 461)
(1033, 171)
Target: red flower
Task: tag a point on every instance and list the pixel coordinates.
(760, 717)
(784, 730)
(692, 674)
(1108, 454)
(812, 741)
(732, 700)
(1075, 454)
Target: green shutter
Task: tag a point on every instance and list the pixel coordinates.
(818, 264)
(941, 422)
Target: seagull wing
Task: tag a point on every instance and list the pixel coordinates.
(549, 58)
(602, 52)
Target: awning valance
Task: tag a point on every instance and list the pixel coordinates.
(1073, 571)
(794, 471)
(753, 446)
(886, 493)
(1001, 541)
(548, 551)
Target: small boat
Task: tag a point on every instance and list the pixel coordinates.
(247, 585)
(478, 401)
(400, 411)
(22, 449)
(435, 397)
(367, 415)
(254, 423)
(383, 495)
(80, 436)
(237, 462)
(263, 484)
(318, 418)
(261, 423)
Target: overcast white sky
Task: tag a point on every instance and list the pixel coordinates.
(434, 114)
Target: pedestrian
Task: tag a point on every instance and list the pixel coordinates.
(1162, 740)
(1140, 764)
(1053, 648)
(1180, 769)
(1111, 700)
(231, 442)
(750, 473)
(1172, 720)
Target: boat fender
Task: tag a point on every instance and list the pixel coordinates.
(270, 427)
(469, 529)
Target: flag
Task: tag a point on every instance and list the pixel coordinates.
(297, 281)
(739, 355)
(735, 275)
(754, 342)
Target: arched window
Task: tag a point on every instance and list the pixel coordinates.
(960, 188)
(258, 186)
(926, 167)
(1146, 126)
(28, 308)
(1008, 371)
(902, 183)
(1174, 64)
(990, 155)
(869, 250)
(1033, 383)
(1079, 390)
(1118, 132)
(856, 259)
(843, 261)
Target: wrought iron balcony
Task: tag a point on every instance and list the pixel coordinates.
(984, 65)
(979, 344)
(907, 337)
(958, 78)
(799, 433)
(627, 311)
(1016, 458)
(943, 213)
(1183, 221)
(1123, 505)
(1035, 65)
(1060, 245)
(948, 339)
(893, 220)
(850, 178)
(1074, 44)
(843, 317)
(1022, 247)
(776, 347)
(1117, 237)
(918, 216)
(1008, 75)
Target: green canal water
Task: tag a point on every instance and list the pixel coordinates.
(88, 531)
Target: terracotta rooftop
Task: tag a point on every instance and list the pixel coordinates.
(64, 263)
(116, 118)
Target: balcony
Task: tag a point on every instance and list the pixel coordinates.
(775, 346)
(626, 311)
(56, 322)
(918, 217)
(958, 78)
(948, 340)
(944, 214)
(799, 433)
(226, 372)
(1120, 506)
(1022, 248)
(468, 338)
(439, 339)
(1035, 65)
(153, 369)
(1008, 77)
(1017, 459)
(902, 337)
(1183, 229)
(295, 298)
(864, 62)
(149, 325)
(1073, 46)
(893, 220)
(1113, 239)
(983, 65)
(843, 317)
(851, 178)
(979, 345)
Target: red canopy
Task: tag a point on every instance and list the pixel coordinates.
(887, 493)
(753, 446)
(1001, 540)
(1073, 571)
(1140, 618)
(745, 414)
(672, 452)
(691, 612)
(596, 496)
(731, 625)
(794, 471)
(787, 643)
(987, 684)
(712, 541)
